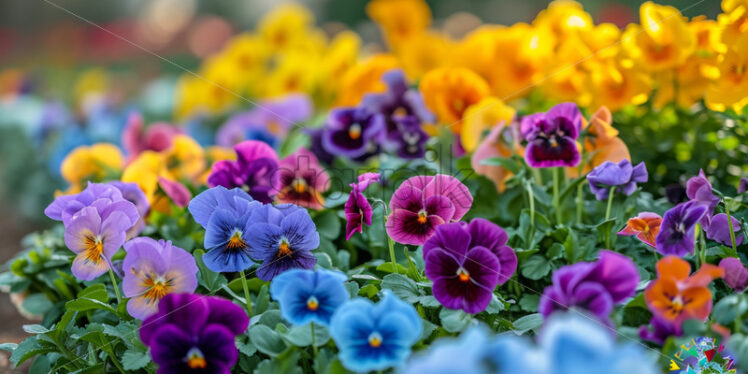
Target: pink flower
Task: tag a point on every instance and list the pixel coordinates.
(157, 137)
(302, 180)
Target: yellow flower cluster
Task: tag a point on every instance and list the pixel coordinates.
(285, 54)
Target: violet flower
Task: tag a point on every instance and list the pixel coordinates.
(104, 197)
(466, 262)
(736, 275)
(358, 210)
(718, 229)
(623, 177)
(194, 333)
(353, 132)
(660, 331)
(743, 185)
(95, 239)
(152, 270)
(591, 286)
(423, 202)
(552, 136)
(132, 193)
(699, 189)
(254, 171)
(677, 230)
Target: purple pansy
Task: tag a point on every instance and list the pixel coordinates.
(466, 262)
(132, 193)
(194, 333)
(404, 111)
(551, 137)
(594, 287)
(736, 275)
(717, 228)
(358, 210)
(660, 331)
(95, 239)
(699, 189)
(743, 185)
(152, 270)
(105, 198)
(353, 132)
(676, 236)
(254, 171)
(422, 203)
(283, 237)
(621, 176)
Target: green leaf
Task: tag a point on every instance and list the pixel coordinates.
(535, 267)
(402, 286)
(135, 359)
(738, 344)
(246, 348)
(388, 268)
(529, 302)
(35, 329)
(368, 291)
(36, 304)
(95, 292)
(505, 162)
(8, 347)
(27, 349)
(262, 300)
(301, 336)
(209, 279)
(454, 320)
(323, 259)
(527, 323)
(352, 288)
(429, 301)
(328, 224)
(730, 308)
(495, 305)
(84, 304)
(266, 340)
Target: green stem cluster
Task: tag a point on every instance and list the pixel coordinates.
(246, 293)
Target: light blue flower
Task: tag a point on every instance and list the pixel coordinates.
(309, 296)
(375, 336)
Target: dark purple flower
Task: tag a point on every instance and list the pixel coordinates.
(736, 275)
(718, 229)
(699, 189)
(466, 262)
(132, 193)
(254, 171)
(552, 136)
(743, 185)
(358, 210)
(194, 333)
(660, 331)
(410, 142)
(676, 236)
(353, 132)
(675, 193)
(594, 287)
(622, 176)
(315, 145)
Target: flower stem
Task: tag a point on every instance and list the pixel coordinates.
(246, 293)
(314, 345)
(580, 203)
(702, 246)
(556, 203)
(531, 197)
(610, 202)
(390, 244)
(115, 285)
(729, 222)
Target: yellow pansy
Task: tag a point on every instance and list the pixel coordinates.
(734, 20)
(144, 171)
(222, 89)
(92, 82)
(365, 77)
(296, 72)
(285, 25)
(566, 76)
(94, 163)
(340, 56)
(662, 41)
(448, 92)
(190, 91)
(731, 89)
(563, 18)
(479, 118)
(185, 159)
(425, 51)
(614, 83)
(521, 56)
(400, 19)
(602, 40)
(249, 54)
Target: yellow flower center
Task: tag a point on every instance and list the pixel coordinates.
(284, 249)
(299, 185)
(157, 288)
(236, 241)
(354, 132)
(195, 359)
(375, 340)
(312, 304)
(95, 248)
(639, 224)
(463, 275)
(422, 217)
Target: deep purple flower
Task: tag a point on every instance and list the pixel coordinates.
(404, 112)
(699, 189)
(254, 171)
(591, 286)
(423, 202)
(132, 193)
(353, 132)
(743, 185)
(675, 193)
(194, 333)
(622, 176)
(466, 262)
(552, 136)
(152, 270)
(676, 236)
(268, 122)
(358, 210)
(660, 331)
(718, 229)
(735, 274)
(315, 145)
(95, 239)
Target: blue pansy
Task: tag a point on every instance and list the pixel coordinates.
(282, 237)
(225, 215)
(375, 336)
(309, 296)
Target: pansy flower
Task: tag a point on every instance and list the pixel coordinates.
(675, 296)
(283, 237)
(743, 185)
(132, 193)
(104, 197)
(699, 189)
(466, 262)
(157, 137)
(660, 330)
(254, 171)
(91, 163)
(375, 336)
(622, 177)
(309, 296)
(717, 228)
(423, 202)
(302, 180)
(645, 226)
(449, 91)
(225, 215)
(358, 210)
(353, 132)
(603, 144)
(551, 137)
(194, 333)
(735, 273)
(678, 228)
(152, 270)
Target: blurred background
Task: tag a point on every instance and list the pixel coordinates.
(135, 51)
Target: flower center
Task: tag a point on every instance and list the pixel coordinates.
(354, 132)
(375, 340)
(639, 224)
(157, 288)
(236, 241)
(400, 112)
(312, 303)
(299, 185)
(463, 275)
(245, 188)
(284, 248)
(95, 248)
(422, 217)
(195, 359)
(553, 141)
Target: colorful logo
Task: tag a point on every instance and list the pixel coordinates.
(702, 356)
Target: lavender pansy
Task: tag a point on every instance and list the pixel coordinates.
(353, 132)
(268, 122)
(717, 228)
(152, 270)
(132, 193)
(104, 197)
(677, 230)
(622, 177)
(254, 171)
(699, 189)
(95, 239)
(552, 136)
(743, 185)
(735, 273)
